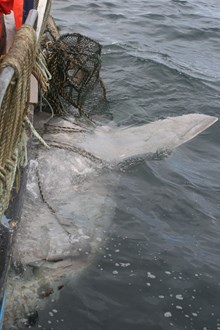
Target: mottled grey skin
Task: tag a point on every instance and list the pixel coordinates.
(69, 202)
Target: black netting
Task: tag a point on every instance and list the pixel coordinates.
(74, 62)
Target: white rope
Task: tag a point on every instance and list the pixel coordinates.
(35, 133)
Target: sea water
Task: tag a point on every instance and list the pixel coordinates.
(159, 266)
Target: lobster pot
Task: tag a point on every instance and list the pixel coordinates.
(74, 62)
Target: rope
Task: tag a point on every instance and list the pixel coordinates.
(35, 133)
(41, 72)
(14, 108)
(77, 150)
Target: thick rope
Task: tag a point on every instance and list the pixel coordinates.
(21, 57)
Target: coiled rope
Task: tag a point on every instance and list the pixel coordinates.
(14, 108)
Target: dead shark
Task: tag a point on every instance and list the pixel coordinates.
(69, 202)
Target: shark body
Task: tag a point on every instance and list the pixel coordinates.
(69, 202)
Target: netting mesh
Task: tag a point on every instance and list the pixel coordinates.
(74, 62)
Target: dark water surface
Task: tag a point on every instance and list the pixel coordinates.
(160, 265)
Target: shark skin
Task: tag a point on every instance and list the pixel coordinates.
(69, 202)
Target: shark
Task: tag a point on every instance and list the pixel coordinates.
(69, 201)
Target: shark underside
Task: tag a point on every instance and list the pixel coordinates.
(69, 202)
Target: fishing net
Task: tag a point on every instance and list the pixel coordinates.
(74, 62)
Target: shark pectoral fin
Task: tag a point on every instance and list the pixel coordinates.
(118, 144)
(191, 125)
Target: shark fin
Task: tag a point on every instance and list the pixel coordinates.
(118, 144)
